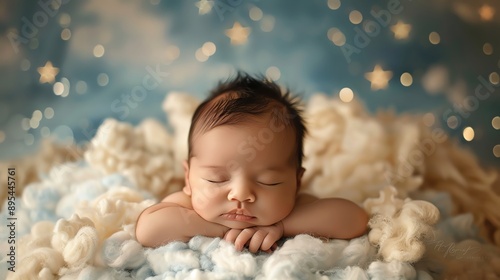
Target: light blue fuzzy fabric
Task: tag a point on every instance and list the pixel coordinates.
(302, 257)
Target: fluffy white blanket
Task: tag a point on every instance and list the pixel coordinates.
(77, 220)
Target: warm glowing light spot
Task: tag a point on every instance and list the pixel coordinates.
(494, 78)
(65, 34)
(200, 56)
(334, 4)
(99, 50)
(25, 65)
(468, 133)
(495, 122)
(434, 38)
(346, 95)
(273, 73)
(208, 48)
(355, 17)
(45, 131)
(37, 115)
(336, 36)
(102, 79)
(406, 79)
(488, 49)
(255, 14)
(64, 20)
(58, 88)
(267, 23)
(496, 151)
(48, 113)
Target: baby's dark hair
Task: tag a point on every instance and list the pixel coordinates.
(236, 99)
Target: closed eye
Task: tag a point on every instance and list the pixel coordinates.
(271, 184)
(215, 182)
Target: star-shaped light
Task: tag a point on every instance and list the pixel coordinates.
(204, 6)
(401, 30)
(486, 12)
(379, 78)
(238, 34)
(48, 73)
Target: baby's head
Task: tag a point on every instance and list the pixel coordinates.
(245, 154)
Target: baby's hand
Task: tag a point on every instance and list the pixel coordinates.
(256, 238)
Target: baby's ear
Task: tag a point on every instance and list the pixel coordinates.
(300, 173)
(187, 188)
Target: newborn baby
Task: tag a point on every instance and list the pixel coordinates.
(243, 175)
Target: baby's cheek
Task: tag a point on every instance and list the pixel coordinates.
(281, 208)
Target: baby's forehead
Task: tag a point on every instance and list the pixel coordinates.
(256, 134)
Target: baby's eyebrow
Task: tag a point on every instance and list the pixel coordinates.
(212, 166)
(274, 168)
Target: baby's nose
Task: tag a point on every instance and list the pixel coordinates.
(241, 193)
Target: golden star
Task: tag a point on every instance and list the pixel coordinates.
(379, 78)
(238, 34)
(204, 6)
(48, 73)
(401, 30)
(486, 12)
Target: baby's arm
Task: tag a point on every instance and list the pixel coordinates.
(329, 217)
(173, 219)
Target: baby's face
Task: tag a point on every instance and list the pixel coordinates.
(244, 175)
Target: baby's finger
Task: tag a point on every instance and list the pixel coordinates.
(243, 238)
(268, 242)
(256, 242)
(231, 235)
(273, 248)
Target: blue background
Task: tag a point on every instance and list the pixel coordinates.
(292, 36)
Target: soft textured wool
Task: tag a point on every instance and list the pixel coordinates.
(432, 214)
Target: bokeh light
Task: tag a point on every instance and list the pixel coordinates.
(200, 56)
(64, 20)
(267, 23)
(25, 65)
(355, 17)
(65, 34)
(468, 133)
(255, 13)
(496, 151)
(488, 49)
(102, 79)
(346, 95)
(494, 78)
(48, 113)
(81, 87)
(434, 38)
(495, 122)
(273, 73)
(334, 4)
(208, 48)
(406, 79)
(58, 88)
(98, 50)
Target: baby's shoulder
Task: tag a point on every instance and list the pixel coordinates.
(304, 198)
(180, 198)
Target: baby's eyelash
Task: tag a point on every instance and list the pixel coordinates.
(272, 184)
(215, 182)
